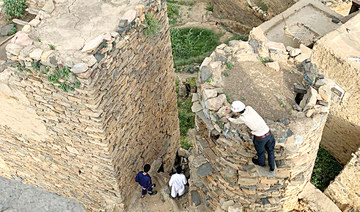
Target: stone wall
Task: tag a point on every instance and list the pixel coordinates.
(222, 174)
(118, 111)
(344, 190)
(242, 16)
(331, 54)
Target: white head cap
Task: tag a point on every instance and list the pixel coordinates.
(237, 106)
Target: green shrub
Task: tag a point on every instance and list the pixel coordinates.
(210, 8)
(192, 45)
(229, 65)
(13, 30)
(325, 170)
(186, 116)
(152, 25)
(15, 8)
(243, 37)
(185, 144)
(263, 6)
(173, 13)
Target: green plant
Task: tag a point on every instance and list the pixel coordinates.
(52, 47)
(185, 143)
(152, 25)
(266, 60)
(13, 30)
(291, 111)
(209, 80)
(210, 8)
(325, 170)
(243, 37)
(192, 45)
(228, 98)
(186, 116)
(173, 13)
(226, 74)
(15, 8)
(38, 39)
(191, 81)
(283, 105)
(263, 6)
(243, 98)
(229, 65)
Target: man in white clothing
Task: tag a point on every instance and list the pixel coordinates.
(177, 183)
(263, 138)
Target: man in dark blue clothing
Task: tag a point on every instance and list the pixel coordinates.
(144, 179)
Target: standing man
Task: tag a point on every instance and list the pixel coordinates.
(177, 183)
(263, 138)
(144, 179)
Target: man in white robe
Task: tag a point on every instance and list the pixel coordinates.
(177, 183)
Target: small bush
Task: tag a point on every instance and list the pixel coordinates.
(229, 65)
(243, 37)
(325, 170)
(173, 13)
(266, 60)
(52, 47)
(186, 116)
(185, 144)
(263, 6)
(192, 45)
(152, 25)
(15, 8)
(13, 30)
(210, 8)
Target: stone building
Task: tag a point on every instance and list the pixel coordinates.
(87, 98)
(223, 178)
(338, 56)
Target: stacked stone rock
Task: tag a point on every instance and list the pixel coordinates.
(344, 190)
(119, 114)
(223, 178)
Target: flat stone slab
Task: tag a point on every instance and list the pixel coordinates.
(18, 197)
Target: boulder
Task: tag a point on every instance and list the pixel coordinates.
(4, 31)
(235, 208)
(196, 107)
(13, 49)
(309, 99)
(227, 204)
(205, 170)
(209, 93)
(273, 66)
(36, 54)
(195, 197)
(21, 38)
(129, 15)
(205, 74)
(295, 52)
(325, 93)
(79, 68)
(216, 103)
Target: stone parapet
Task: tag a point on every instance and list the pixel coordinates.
(101, 111)
(344, 190)
(222, 173)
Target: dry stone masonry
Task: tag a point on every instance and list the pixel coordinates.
(87, 99)
(223, 178)
(338, 56)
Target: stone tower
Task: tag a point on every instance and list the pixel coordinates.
(87, 98)
(222, 173)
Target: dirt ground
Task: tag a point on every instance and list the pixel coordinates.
(269, 92)
(160, 202)
(197, 16)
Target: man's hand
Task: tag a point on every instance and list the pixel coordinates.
(227, 115)
(250, 134)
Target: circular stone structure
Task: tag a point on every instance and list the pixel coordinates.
(222, 173)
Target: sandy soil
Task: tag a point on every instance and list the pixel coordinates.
(269, 92)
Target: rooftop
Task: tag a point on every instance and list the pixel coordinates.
(73, 23)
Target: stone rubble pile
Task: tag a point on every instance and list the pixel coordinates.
(223, 178)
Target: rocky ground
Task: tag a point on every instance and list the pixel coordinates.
(18, 197)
